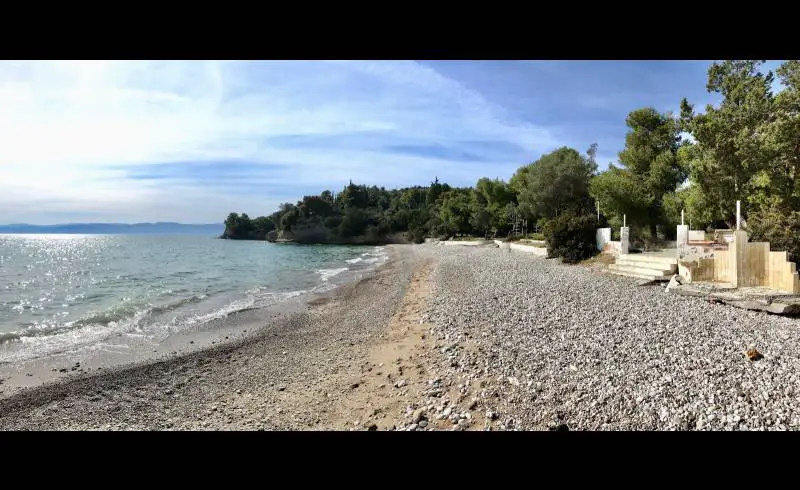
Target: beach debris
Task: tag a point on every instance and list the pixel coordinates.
(400, 383)
(674, 282)
(753, 354)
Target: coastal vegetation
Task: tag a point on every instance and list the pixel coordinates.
(747, 147)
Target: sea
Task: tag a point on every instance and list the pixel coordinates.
(65, 292)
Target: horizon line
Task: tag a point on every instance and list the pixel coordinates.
(74, 223)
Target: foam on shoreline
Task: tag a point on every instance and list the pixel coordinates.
(116, 344)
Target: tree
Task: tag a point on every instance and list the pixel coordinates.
(774, 203)
(650, 169)
(494, 196)
(620, 193)
(434, 191)
(231, 225)
(731, 162)
(316, 206)
(556, 183)
(780, 141)
(480, 218)
(455, 211)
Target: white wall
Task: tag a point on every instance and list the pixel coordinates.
(603, 237)
(697, 235)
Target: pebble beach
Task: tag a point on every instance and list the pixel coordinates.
(457, 338)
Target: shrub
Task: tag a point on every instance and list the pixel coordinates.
(571, 237)
(780, 228)
(416, 235)
(537, 236)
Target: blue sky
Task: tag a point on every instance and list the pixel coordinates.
(191, 141)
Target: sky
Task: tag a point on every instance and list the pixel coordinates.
(191, 141)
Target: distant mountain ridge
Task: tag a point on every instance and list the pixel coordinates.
(158, 228)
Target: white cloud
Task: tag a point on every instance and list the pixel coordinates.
(69, 130)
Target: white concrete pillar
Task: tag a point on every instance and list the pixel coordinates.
(738, 214)
(624, 239)
(603, 237)
(682, 240)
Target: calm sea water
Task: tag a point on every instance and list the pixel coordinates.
(61, 292)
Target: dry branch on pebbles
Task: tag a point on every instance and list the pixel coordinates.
(534, 344)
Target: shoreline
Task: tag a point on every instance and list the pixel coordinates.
(285, 343)
(128, 349)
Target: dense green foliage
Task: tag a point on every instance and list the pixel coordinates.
(365, 214)
(571, 237)
(556, 183)
(242, 227)
(650, 172)
(747, 148)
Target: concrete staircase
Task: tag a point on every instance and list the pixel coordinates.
(646, 266)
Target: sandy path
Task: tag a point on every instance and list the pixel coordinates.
(374, 394)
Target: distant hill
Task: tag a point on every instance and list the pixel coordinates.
(117, 229)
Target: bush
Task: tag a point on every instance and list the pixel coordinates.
(780, 228)
(416, 235)
(573, 238)
(536, 236)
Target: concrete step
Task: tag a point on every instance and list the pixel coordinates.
(647, 277)
(646, 259)
(648, 267)
(622, 259)
(653, 270)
